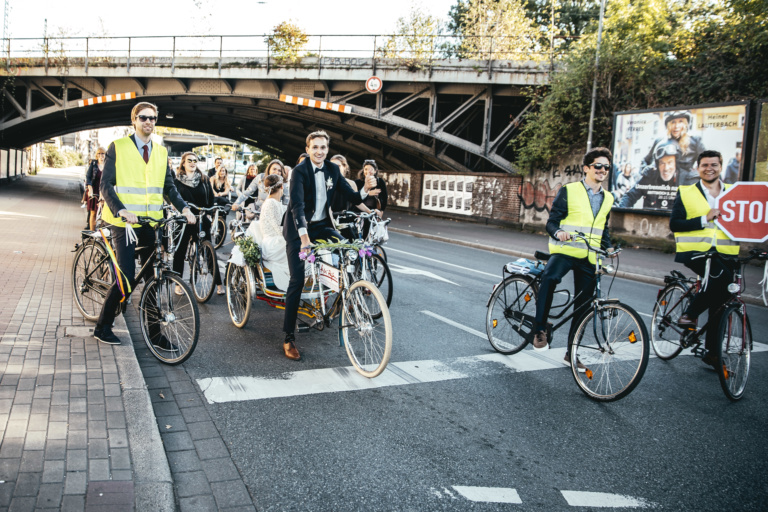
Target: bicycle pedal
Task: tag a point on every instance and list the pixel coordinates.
(302, 328)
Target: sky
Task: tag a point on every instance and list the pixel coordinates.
(209, 17)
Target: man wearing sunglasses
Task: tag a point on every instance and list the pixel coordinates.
(580, 207)
(658, 186)
(136, 176)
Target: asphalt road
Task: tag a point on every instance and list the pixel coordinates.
(477, 435)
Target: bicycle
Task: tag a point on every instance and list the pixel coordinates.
(202, 259)
(219, 226)
(365, 325)
(373, 267)
(92, 275)
(734, 331)
(610, 340)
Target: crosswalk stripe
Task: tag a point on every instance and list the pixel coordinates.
(489, 494)
(603, 500)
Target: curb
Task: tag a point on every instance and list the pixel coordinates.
(153, 485)
(655, 281)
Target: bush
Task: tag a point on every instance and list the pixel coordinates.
(53, 157)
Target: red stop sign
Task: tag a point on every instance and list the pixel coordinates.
(744, 212)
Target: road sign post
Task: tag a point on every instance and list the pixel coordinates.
(744, 212)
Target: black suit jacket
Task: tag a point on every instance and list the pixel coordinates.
(301, 207)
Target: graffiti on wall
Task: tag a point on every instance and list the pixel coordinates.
(538, 190)
(398, 188)
(487, 193)
(447, 193)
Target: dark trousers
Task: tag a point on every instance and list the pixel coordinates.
(322, 230)
(126, 259)
(190, 230)
(583, 286)
(714, 296)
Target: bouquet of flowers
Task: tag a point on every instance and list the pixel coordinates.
(250, 249)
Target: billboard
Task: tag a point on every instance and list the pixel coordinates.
(655, 151)
(761, 144)
(448, 193)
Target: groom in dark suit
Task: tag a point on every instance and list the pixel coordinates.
(314, 183)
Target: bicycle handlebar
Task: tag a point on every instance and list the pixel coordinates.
(145, 221)
(598, 250)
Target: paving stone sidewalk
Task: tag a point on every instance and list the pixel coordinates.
(77, 428)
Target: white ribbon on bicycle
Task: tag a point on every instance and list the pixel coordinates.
(130, 235)
(764, 284)
(705, 278)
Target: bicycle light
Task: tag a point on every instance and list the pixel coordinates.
(734, 288)
(352, 255)
(609, 268)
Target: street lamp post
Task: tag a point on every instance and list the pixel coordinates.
(594, 83)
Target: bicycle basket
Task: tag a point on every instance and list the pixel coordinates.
(379, 233)
(524, 266)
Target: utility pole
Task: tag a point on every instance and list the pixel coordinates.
(594, 83)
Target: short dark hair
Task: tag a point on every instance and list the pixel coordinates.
(217, 159)
(301, 157)
(595, 153)
(372, 163)
(710, 153)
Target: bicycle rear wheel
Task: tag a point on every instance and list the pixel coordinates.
(612, 343)
(665, 335)
(91, 278)
(510, 315)
(735, 352)
(220, 232)
(238, 294)
(203, 271)
(170, 323)
(368, 340)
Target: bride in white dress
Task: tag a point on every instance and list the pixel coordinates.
(272, 242)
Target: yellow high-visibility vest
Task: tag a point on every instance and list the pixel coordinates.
(704, 239)
(581, 219)
(139, 185)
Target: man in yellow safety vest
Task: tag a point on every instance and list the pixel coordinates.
(136, 176)
(579, 207)
(696, 234)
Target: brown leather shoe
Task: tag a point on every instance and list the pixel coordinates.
(686, 321)
(290, 351)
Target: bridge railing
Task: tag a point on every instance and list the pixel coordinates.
(332, 50)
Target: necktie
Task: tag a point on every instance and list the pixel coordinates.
(318, 169)
(146, 155)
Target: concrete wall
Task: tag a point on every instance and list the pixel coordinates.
(12, 164)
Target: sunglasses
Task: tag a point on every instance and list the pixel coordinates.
(144, 119)
(101, 154)
(190, 161)
(601, 166)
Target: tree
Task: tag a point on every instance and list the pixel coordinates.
(655, 53)
(494, 29)
(286, 42)
(414, 38)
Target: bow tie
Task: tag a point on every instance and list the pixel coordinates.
(317, 170)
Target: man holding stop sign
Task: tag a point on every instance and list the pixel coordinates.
(696, 234)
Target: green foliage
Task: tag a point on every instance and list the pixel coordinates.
(413, 40)
(250, 249)
(286, 42)
(53, 157)
(655, 53)
(494, 29)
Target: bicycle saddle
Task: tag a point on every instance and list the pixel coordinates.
(541, 256)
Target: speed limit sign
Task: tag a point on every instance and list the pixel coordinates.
(373, 84)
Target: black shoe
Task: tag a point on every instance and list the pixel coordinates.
(105, 335)
(687, 321)
(163, 343)
(710, 358)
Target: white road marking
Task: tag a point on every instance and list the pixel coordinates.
(456, 324)
(418, 272)
(603, 500)
(495, 276)
(489, 494)
(335, 380)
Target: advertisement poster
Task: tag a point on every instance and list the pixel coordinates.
(448, 193)
(654, 152)
(398, 188)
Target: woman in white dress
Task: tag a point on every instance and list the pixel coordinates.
(272, 242)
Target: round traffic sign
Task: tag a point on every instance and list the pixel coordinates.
(744, 212)
(373, 84)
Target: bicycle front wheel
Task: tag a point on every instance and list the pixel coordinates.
(220, 232)
(203, 271)
(665, 335)
(91, 279)
(238, 294)
(611, 344)
(377, 272)
(377, 249)
(511, 313)
(735, 352)
(170, 323)
(368, 340)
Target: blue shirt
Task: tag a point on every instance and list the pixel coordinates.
(140, 144)
(595, 198)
